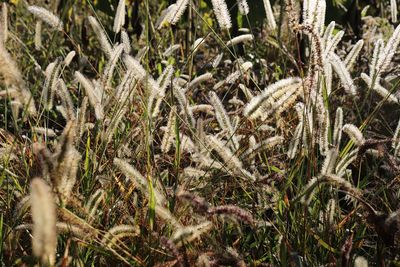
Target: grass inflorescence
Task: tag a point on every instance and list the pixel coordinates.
(195, 133)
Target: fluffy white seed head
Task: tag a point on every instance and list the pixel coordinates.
(222, 118)
(68, 59)
(328, 166)
(374, 67)
(360, 262)
(38, 35)
(379, 89)
(389, 51)
(251, 108)
(393, 10)
(222, 14)
(4, 23)
(126, 41)
(138, 179)
(231, 161)
(197, 44)
(119, 19)
(198, 80)
(354, 133)
(243, 7)
(240, 39)
(333, 42)
(353, 54)
(188, 234)
(328, 33)
(337, 129)
(343, 73)
(295, 141)
(101, 36)
(171, 50)
(44, 236)
(94, 99)
(169, 131)
(396, 136)
(176, 11)
(269, 14)
(46, 16)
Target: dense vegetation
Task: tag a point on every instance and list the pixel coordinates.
(199, 133)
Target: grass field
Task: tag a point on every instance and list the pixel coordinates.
(199, 133)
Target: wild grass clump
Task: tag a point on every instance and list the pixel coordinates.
(194, 134)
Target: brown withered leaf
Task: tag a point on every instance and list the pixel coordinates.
(387, 227)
